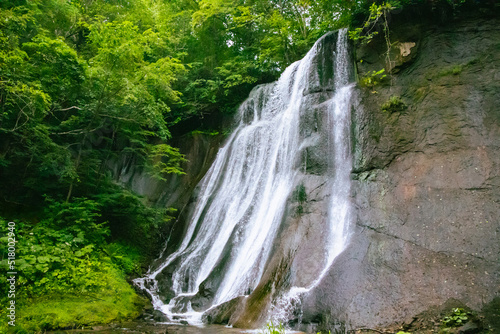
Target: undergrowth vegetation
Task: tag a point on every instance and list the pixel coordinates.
(272, 328)
(69, 274)
(457, 317)
(394, 104)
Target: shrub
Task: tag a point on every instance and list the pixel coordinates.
(69, 276)
(373, 78)
(458, 317)
(394, 104)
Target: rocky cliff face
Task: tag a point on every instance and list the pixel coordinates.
(426, 180)
(176, 191)
(199, 150)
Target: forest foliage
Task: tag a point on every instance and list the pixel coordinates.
(83, 83)
(86, 83)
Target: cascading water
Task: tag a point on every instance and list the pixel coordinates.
(243, 197)
(340, 165)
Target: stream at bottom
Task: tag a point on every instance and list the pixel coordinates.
(138, 327)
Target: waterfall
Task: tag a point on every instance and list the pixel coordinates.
(340, 165)
(243, 197)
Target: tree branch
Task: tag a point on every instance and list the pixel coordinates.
(72, 107)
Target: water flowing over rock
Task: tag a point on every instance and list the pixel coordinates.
(273, 211)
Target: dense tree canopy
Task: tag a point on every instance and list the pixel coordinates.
(83, 81)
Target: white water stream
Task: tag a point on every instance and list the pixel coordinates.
(243, 196)
(339, 212)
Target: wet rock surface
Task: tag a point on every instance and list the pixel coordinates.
(139, 327)
(224, 313)
(426, 184)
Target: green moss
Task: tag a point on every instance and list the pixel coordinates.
(421, 93)
(118, 303)
(208, 132)
(300, 196)
(300, 193)
(394, 104)
(451, 70)
(491, 313)
(257, 301)
(263, 294)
